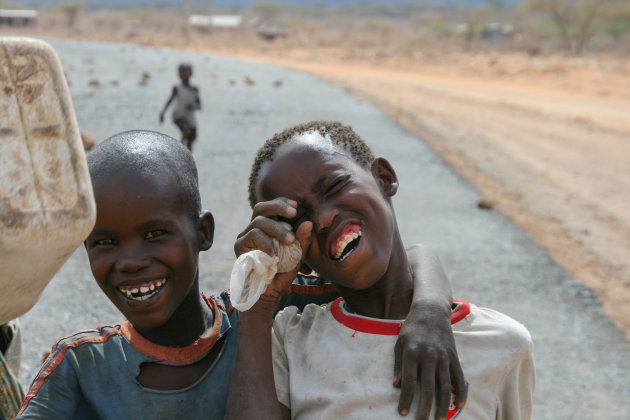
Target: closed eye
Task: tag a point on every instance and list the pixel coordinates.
(338, 184)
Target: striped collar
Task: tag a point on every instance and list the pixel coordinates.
(178, 356)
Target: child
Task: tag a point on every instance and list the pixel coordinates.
(331, 361)
(187, 102)
(143, 252)
(173, 356)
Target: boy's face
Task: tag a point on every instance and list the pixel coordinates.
(353, 221)
(185, 73)
(145, 245)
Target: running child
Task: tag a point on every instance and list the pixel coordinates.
(332, 361)
(173, 356)
(187, 101)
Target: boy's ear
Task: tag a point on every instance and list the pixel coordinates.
(385, 176)
(205, 230)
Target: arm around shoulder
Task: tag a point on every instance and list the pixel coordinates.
(425, 352)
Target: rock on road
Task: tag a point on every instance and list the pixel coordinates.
(582, 360)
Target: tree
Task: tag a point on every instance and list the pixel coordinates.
(71, 10)
(574, 19)
(267, 12)
(615, 19)
(473, 20)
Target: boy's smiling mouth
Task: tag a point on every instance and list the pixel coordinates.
(143, 291)
(346, 242)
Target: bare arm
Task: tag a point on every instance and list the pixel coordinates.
(197, 99)
(425, 350)
(252, 390)
(430, 281)
(168, 102)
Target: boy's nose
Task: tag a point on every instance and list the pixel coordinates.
(324, 217)
(131, 265)
(131, 262)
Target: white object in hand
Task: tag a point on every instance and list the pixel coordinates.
(253, 271)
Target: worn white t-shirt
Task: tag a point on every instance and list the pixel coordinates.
(331, 364)
(186, 102)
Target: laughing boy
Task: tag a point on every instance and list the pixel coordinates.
(331, 361)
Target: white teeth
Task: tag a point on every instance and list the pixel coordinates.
(344, 242)
(143, 292)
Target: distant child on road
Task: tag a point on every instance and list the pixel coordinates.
(187, 101)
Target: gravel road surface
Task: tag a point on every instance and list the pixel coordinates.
(582, 360)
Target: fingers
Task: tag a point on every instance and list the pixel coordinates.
(282, 281)
(278, 207)
(254, 239)
(458, 383)
(443, 378)
(303, 236)
(427, 390)
(407, 384)
(397, 364)
(264, 227)
(273, 228)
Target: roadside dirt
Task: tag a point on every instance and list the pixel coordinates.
(546, 141)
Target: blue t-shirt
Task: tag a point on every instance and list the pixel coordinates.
(92, 374)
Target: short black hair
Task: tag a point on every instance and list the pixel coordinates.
(340, 135)
(147, 153)
(185, 66)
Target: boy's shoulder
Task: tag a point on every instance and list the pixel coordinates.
(189, 87)
(490, 328)
(80, 353)
(90, 336)
(84, 341)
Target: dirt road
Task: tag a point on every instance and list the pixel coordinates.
(582, 358)
(551, 151)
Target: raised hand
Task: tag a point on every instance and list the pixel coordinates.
(265, 226)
